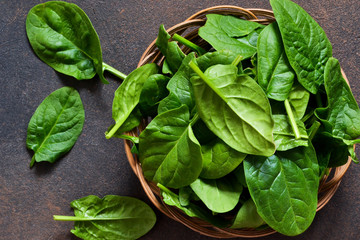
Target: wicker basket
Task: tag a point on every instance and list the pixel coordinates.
(189, 29)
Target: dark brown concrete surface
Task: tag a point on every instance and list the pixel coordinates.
(29, 198)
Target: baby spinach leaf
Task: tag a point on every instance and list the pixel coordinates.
(251, 39)
(169, 152)
(275, 74)
(232, 106)
(342, 111)
(173, 54)
(248, 217)
(219, 159)
(240, 175)
(209, 59)
(55, 125)
(306, 44)
(62, 36)
(219, 195)
(168, 103)
(298, 99)
(113, 217)
(130, 123)
(292, 178)
(213, 33)
(153, 91)
(236, 27)
(180, 86)
(192, 210)
(284, 136)
(127, 96)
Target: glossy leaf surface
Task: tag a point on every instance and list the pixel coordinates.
(55, 125)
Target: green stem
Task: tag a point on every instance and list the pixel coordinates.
(83, 219)
(118, 124)
(290, 135)
(307, 116)
(189, 44)
(198, 71)
(32, 161)
(237, 60)
(114, 71)
(313, 129)
(292, 119)
(194, 119)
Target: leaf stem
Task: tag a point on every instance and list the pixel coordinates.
(292, 119)
(113, 71)
(189, 44)
(32, 161)
(237, 60)
(194, 119)
(75, 218)
(313, 129)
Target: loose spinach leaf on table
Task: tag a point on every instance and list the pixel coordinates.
(55, 125)
(219, 159)
(247, 216)
(275, 74)
(290, 177)
(113, 217)
(172, 52)
(169, 152)
(219, 195)
(213, 33)
(232, 106)
(127, 96)
(342, 112)
(62, 35)
(306, 44)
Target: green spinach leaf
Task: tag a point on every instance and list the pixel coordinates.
(62, 36)
(298, 99)
(209, 59)
(236, 27)
(55, 125)
(232, 106)
(275, 74)
(292, 178)
(247, 217)
(113, 217)
(306, 44)
(169, 152)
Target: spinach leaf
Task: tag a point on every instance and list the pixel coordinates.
(180, 87)
(248, 217)
(213, 33)
(168, 103)
(251, 39)
(292, 178)
(113, 217)
(209, 59)
(306, 44)
(55, 125)
(275, 74)
(219, 159)
(284, 136)
(192, 210)
(169, 152)
(232, 106)
(130, 123)
(236, 27)
(298, 99)
(173, 54)
(62, 36)
(127, 96)
(219, 195)
(342, 111)
(153, 91)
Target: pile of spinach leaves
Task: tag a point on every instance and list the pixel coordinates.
(246, 128)
(243, 128)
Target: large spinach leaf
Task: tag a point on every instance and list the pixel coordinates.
(236, 27)
(235, 108)
(55, 125)
(219, 159)
(169, 152)
(292, 178)
(342, 111)
(219, 195)
(127, 96)
(275, 74)
(214, 33)
(113, 217)
(248, 217)
(173, 54)
(62, 35)
(306, 44)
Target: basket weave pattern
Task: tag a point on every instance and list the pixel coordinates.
(189, 29)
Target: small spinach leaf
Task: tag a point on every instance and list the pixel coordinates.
(306, 44)
(298, 99)
(113, 217)
(209, 59)
(62, 35)
(248, 217)
(169, 152)
(55, 125)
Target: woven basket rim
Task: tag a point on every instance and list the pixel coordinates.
(327, 187)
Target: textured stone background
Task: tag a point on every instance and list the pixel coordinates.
(29, 198)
